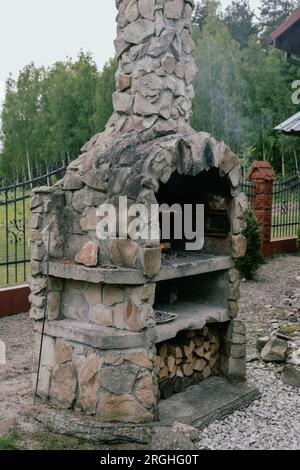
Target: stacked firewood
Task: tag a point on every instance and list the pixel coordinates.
(193, 356)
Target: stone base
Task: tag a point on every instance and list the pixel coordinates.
(211, 400)
(200, 405)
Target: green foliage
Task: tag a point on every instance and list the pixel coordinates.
(243, 88)
(253, 258)
(49, 114)
(10, 442)
(239, 19)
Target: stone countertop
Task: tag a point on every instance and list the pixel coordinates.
(177, 267)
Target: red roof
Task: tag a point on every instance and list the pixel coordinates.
(287, 36)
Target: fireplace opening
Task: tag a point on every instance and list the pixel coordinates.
(187, 360)
(207, 189)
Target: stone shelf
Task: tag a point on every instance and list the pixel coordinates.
(96, 336)
(191, 264)
(182, 266)
(191, 316)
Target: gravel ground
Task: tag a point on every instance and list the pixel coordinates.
(270, 423)
(274, 421)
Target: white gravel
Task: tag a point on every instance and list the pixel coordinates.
(271, 423)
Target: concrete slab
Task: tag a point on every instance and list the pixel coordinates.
(99, 337)
(191, 316)
(211, 400)
(183, 266)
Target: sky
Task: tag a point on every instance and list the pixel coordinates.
(44, 31)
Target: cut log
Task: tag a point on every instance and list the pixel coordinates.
(191, 334)
(198, 364)
(178, 360)
(163, 351)
(214, 348)
(192, 347)
(213, 361)
(215, 339)
(171, 363)
(187, 370)
(206, 372)
(173, 373)
(200, 351)
(207, 355)
(199, 341)
(163, 373)
(174, 350)
(206, 346)
(179, 372)
(187, 352)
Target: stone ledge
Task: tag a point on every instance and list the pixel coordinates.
(183, 266)
(99, 337)
(191, 316)
(211, 400)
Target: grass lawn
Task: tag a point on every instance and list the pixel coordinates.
(46, 440)
(13, 211)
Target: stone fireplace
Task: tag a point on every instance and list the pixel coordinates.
(103, 352)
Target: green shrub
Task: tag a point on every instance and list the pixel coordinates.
(253, 258)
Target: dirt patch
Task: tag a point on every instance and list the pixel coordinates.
(16, 376)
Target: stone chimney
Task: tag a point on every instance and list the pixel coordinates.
(156, 68)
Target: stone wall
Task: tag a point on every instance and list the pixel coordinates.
(114, 386)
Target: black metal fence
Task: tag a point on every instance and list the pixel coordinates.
(14, 226)
(249, 190)
(286, 208)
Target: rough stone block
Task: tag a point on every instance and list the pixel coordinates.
(63, 352)
(142, 359)
(48, 351)
(275, 350)
(119, 317)
(123, 409)
(239, 246)
(122, 102)
(123, 252)
(152, 261)
(238, 351)
(134, 319)
(63, 386)
(112, 295)
(88, 255)
(119, 380)
(145, 391)
(93, 294)
(44, 383)
(90, 383)
(53, 305)
(101, 315)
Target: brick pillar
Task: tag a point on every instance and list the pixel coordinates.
(262, 176)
